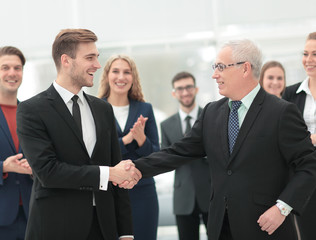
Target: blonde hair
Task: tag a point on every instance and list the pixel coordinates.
(135, 91)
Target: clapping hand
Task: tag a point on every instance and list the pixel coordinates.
(16, 164)
(138, 130)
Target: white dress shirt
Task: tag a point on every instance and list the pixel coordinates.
(309, 112)
(193, 114)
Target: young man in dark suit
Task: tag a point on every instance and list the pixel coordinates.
(15, 179)
(192, 182)
(70, 140)
(254, 142)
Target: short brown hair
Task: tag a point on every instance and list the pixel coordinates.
(9, 50)
(67, 40)
(311, 36)
(135, 91)
(182, 75)
(268, 65)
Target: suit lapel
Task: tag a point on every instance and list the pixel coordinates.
(178, 134)
(132, 116)
(224, 112)
(59, 105)
(249, 120)
(5, 129)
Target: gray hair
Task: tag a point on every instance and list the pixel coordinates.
(246, 50)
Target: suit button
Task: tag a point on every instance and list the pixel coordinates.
(17, 182)
(229, 172)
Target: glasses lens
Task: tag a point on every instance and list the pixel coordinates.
(189, 87)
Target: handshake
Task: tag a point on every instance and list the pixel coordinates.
(125, 174)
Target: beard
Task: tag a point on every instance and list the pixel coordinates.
(189, 104)
(77, 77)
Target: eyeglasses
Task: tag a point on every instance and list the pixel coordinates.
(188, 88)
(221, 66)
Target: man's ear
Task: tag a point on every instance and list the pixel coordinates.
(247, 68)
(173, 93)
(65, 60)
(196, 90)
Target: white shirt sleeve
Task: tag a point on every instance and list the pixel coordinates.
(104, 178)
(288, 207)
(127, 236)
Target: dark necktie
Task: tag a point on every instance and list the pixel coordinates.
(233, 124)
(188, 125)
(76, 113)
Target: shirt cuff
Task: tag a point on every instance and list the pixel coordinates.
(104, 178)
(126, 236)
(286, 206)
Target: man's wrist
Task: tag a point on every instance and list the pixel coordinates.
(284, 208)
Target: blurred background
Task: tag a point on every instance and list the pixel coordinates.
(163, 37)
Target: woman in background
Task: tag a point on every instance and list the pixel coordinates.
(272, 78)
(137, 133)
(303, 94)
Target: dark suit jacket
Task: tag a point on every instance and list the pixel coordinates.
(15, 184)
(192, 181)
(65, 176)
(291, 96)
(272, 139)
(132, 151)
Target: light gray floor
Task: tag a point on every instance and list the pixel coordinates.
(167, 229)
(170, 233)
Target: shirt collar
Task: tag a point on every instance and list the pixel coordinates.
(67, 95)
(248, 99)
(193, 114)
(304, 87)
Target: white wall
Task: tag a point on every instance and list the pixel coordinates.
(163, 37)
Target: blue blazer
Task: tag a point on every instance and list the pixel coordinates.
(132, 151)
(14, 184)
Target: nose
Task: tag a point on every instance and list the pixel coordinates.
(12, 72)
(309, 58)
(97, 64)
(215, 74)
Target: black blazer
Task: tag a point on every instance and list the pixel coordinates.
(192, 181)
(297, 98)
(272, 140)
(65, 176)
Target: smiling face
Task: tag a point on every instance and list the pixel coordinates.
(83, 67)
(11, 72)
(230, 80)
(273, 81)
(185, 92)
(309, 58)
(120, 77)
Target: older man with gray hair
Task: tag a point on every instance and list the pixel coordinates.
(261, 158)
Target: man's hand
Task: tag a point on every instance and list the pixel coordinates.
(271, 219)
(125, 174)
(14, 164)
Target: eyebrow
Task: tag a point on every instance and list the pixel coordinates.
(8, 65)
(93, 55)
